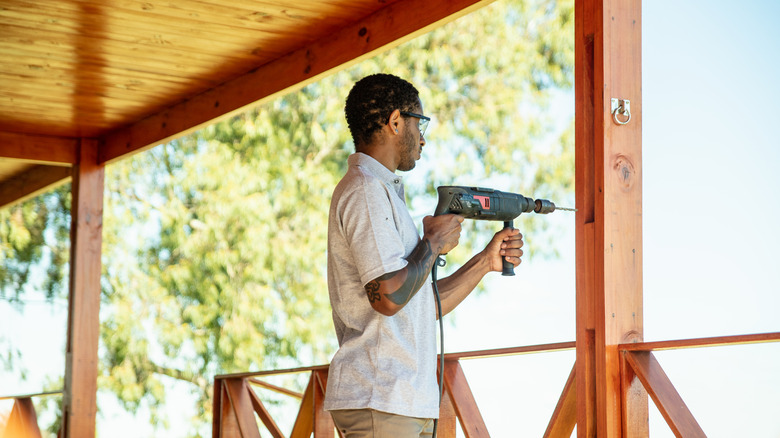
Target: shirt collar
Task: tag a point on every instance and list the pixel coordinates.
(376, 168)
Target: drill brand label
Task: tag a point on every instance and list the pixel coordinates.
(484, 201)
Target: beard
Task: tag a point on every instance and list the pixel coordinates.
(410, 145)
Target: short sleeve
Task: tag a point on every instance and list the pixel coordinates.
(367, 221)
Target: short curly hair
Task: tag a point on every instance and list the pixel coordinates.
(372, 100)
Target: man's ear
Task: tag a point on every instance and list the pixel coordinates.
(395, 118)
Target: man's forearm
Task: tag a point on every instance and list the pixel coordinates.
(455, 288)
(400, 286)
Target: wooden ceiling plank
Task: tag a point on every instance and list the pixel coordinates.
(43, 67)
(132, 25)
(97, 78)
(253, 12)
(392, 25)
(192, 16)
(152, 61)
(231, 50)
(106, 105)
(31, 183)
(38, 148)
(113, 54)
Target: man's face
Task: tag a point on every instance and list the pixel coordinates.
(412, 142)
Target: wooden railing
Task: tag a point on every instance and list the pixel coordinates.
(239, 411)
(236, 403)
(237, 407)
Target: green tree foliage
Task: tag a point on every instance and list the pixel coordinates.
(214, 244)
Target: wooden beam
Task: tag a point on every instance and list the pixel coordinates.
(394, 24)
(265, 417)
(447, 425)
(228, 423)
(217, 409)
(323, 422)
(304, 422)
(665, 396)
(564, 417)
(608, 159)
(32, 182)
(511, 351)
(716, 341)
(275, 388)
(81, 353)
(238, 393)
(463, 401)
(41, 149)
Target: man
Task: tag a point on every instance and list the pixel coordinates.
(382, 380)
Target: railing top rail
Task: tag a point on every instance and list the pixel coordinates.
(511, 351)
(480, 354)
(270, 372)
(559, 346)
(37, 394)
(702, 342)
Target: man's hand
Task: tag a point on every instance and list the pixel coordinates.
(442, 231)
(506, 242)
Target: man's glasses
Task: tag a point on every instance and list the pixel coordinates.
(423, 121)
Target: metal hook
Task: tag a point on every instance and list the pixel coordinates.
(622, 107)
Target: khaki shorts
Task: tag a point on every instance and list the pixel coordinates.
(368, 423)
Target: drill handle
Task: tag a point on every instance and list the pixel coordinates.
(508, 269)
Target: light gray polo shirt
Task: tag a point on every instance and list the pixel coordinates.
(387, 363)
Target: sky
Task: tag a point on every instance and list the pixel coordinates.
(710, 229)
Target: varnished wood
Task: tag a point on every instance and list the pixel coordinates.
(264, 416)
(79, 399)
(276, 388)
(216, 405)
(609, 218)
(564, 417)
(511, 351)
(665, 396)
(388, 27)
(57, 51)
(228, 422)
(757, 338)
(447, 424)
(31, 182)
(39, 149)
(323, 423)
(463, 401)
(243, 410)
(304, 422)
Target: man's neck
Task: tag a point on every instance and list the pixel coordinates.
(382, 153)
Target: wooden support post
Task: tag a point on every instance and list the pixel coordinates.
(242, 412)
(312, 418)
(81, 354)
(463, 400)
(609, 216)
(323, 422)
(447, 426)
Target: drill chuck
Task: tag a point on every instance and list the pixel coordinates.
(543, 206)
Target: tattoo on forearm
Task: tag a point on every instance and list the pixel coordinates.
(372, 289)
(420, 262)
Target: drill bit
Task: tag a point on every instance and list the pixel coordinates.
(565, 208)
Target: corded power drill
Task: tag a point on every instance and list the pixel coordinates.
(490, 205)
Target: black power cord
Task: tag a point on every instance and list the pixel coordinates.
(439, 262)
